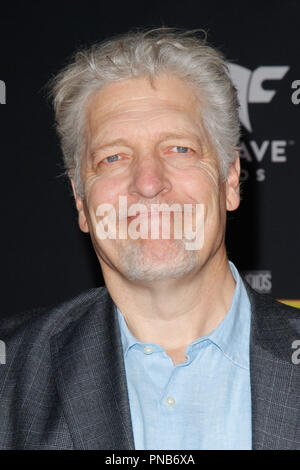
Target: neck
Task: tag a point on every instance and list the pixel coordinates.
(174, 312)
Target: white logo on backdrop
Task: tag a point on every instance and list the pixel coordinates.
(250, 86)
(2, 92)
(261, 281)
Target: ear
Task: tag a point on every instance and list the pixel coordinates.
(82, 222)
(233, 185)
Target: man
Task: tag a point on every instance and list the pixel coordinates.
(175, 352)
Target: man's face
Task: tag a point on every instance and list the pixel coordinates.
(147, 142)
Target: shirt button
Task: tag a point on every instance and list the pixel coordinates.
(148, 350)
(170, 401)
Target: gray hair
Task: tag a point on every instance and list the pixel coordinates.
(146, 53)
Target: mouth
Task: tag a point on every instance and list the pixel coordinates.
(150, 214)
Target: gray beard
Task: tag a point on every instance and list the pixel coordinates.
(141, 261)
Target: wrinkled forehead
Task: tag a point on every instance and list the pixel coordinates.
(140, 101)
(164, 86)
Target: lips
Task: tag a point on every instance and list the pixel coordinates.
(140, 215)
(147, 214)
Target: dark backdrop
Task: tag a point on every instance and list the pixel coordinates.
(44, 256)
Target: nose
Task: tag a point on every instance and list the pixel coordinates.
(149, 178)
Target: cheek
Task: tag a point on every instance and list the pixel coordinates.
(207, 169)
(99, 191)
(201, 185)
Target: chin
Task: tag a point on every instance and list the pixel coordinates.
(156, 260)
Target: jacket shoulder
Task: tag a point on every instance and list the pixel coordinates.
(266, 305)
(274, 325)
(28, 394)
(45, 321)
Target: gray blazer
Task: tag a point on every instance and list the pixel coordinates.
(64, 387)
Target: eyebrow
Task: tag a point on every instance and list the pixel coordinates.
(162, 136)
(112, 143)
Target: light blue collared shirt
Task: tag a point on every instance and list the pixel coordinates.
(203, 403)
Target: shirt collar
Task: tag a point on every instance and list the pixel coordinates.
(128, 340)
(231, 336)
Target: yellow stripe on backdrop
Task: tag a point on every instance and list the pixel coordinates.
(292, 302)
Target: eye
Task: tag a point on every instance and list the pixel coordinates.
(179, 149)
(112, 158)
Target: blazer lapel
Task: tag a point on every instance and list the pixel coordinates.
(275, 380)
(91, 378)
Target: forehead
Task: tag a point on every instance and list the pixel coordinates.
(139, 103)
